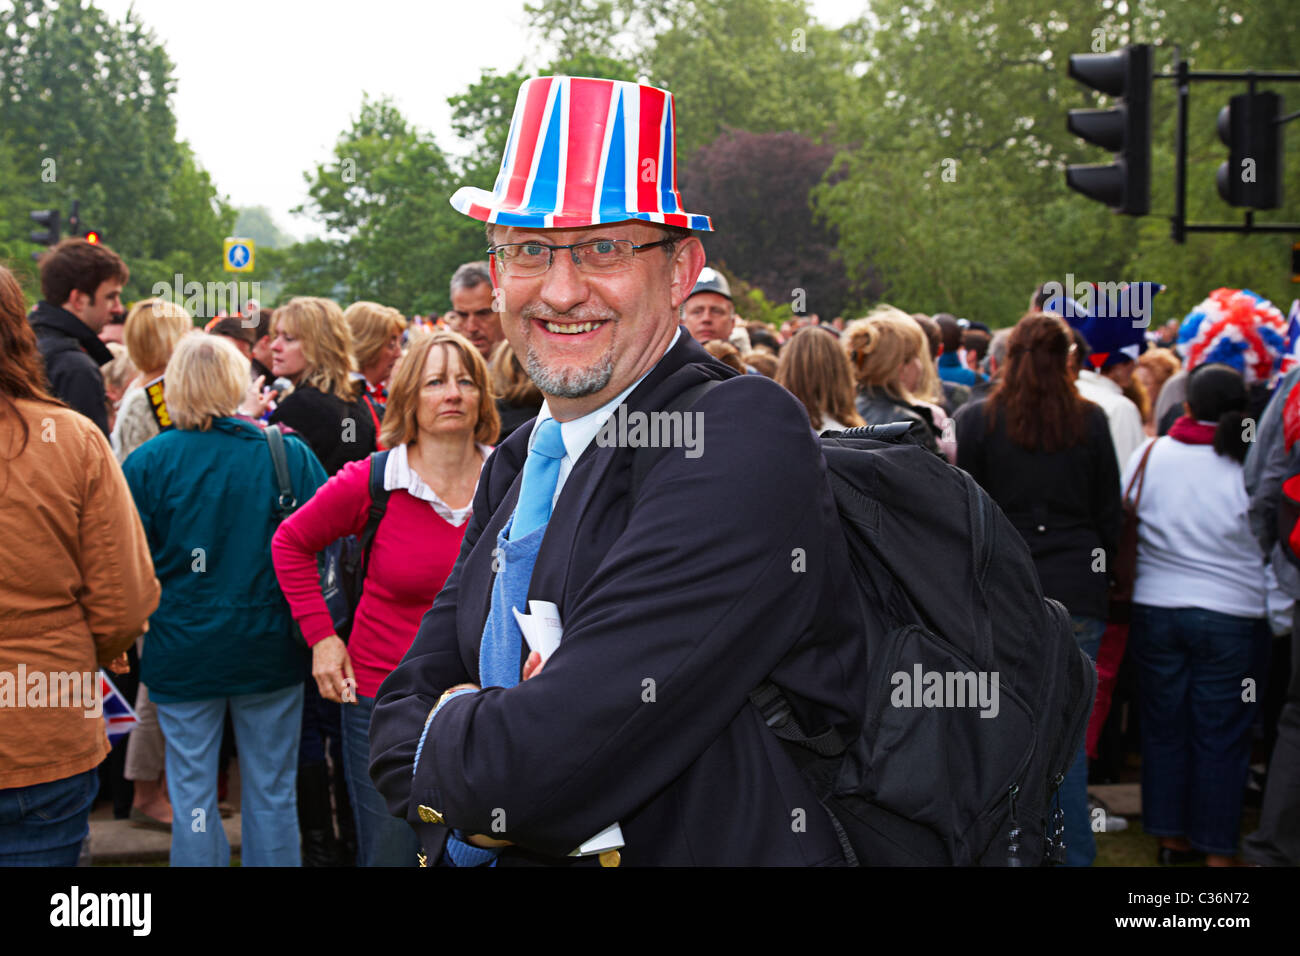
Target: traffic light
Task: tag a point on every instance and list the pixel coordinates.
(1124, 129)
(49, 220)
(93, 237)
(1249, 127)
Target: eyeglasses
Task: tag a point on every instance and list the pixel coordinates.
(594, 257)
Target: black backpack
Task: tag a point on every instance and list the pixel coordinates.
(344, 563)
(945, 586)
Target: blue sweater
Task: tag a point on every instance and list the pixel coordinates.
(207, 502)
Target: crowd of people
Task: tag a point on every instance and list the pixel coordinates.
(180, 494)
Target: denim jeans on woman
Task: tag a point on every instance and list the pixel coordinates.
(382, 839)
(267, 727)
(1080, 847)
(44, 824)
(1195, 725)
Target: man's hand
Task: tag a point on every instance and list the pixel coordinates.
(533, 666)
(331, 665)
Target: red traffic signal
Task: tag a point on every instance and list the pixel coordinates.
(92, 236)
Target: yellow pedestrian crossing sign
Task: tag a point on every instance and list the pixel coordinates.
(238, 255)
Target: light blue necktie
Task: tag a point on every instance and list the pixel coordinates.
(541, 474)
(516, 553)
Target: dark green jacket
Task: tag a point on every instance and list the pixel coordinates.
(207, 502)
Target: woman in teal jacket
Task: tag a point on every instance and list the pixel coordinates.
(222, 635)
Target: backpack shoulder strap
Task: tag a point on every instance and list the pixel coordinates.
(286, 502)
(378, 506)
(646, 458)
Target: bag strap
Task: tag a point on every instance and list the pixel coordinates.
(1139, 476)
(368, 400)
(767, 697)
(378, 506)
(286, 503)
(771, 703)
(646, 458)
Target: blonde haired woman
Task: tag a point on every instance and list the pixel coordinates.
(890, 357)
(440, 417)
(376, 343)
(150, 333)
(312, 348)
(222, 636)
(815, 370)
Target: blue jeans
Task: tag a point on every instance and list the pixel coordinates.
(382, 839)
(267, 727)
(1195, 725)
(45, 823)
(1080, 847)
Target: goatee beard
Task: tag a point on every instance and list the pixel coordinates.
(567, 383)
(571, 383)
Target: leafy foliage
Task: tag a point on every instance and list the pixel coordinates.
(85, 114)
(756, 186)
(386, 194)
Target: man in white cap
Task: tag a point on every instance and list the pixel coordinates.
(629, 731)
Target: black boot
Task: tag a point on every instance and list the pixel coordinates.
(318, 844)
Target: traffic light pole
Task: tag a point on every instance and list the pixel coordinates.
(1184, 77)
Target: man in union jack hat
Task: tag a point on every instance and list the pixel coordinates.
(578, 694)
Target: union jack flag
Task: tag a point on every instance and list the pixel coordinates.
(585, 151)
(119, 717)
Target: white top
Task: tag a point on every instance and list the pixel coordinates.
(1195, 547)
(1123, 416)
(580, 432)
(398, 475)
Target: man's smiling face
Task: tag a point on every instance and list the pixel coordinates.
(584, 337)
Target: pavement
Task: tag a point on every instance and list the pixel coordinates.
(121, 841)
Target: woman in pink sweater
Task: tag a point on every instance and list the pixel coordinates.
(440, 416)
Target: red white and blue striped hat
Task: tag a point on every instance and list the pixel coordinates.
(583, 152)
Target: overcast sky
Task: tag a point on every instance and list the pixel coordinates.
(265, 87)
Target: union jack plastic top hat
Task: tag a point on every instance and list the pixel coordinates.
(583, 152)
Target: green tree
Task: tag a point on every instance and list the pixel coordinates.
(953, 186)
(85, 108)
(385, 194)
(758, 65)
(257, 223)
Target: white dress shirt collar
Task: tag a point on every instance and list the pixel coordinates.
(400, 476)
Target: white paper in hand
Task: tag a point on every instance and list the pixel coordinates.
(541, 627)
(610, 838)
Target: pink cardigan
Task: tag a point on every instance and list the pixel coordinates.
(412, 555)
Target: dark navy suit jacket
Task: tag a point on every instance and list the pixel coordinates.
(726, 569)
